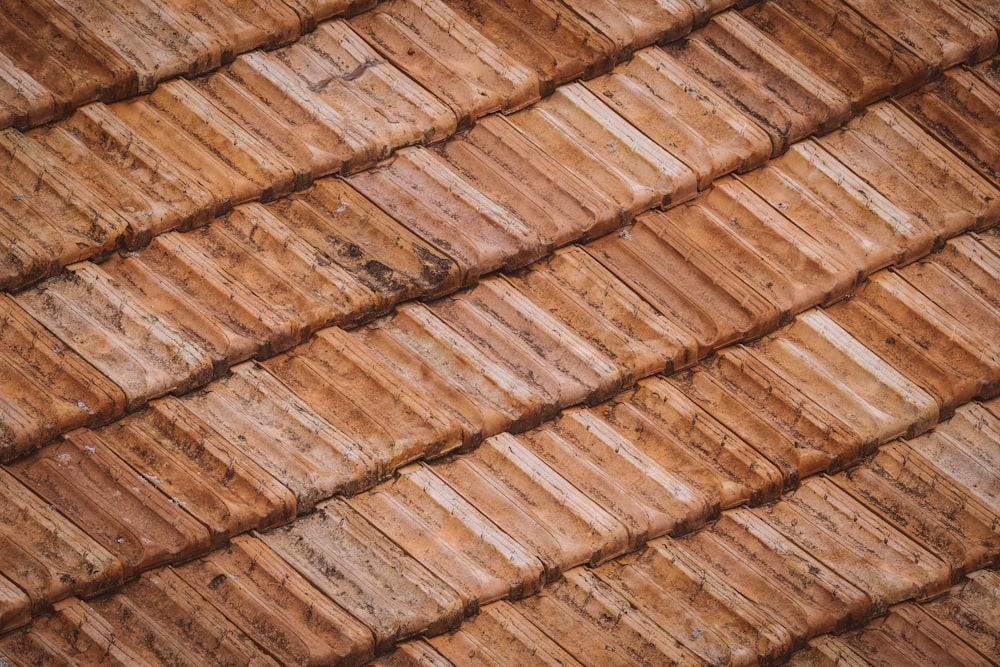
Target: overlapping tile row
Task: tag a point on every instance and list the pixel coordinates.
(465, 554)
(743, 257)
(273, 442)
(353, 92)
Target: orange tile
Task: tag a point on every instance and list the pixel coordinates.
(632, 25)
(241, 27)
(969, 610)
(415, 653)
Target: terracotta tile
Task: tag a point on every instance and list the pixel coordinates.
(688, 286)
(856, 543)
(885, 65)
(921, 341)
(144, 356)
(907, 491)
(510, 170)
(779, 578)
(272, 604)
(414, 653)
(856, 224)
(244, 26)
(44, 554)
(786, 98)
(199, 471)
(428, 196)
(501, 635)
(683, 115)
(598, 625)
(35, 246)
(351, 389)
(989, 71)
(451, 538)
(747, 478)
(262, 418)
(534, 505)
(345, 228)
(312, 12)
(26, 102)
(942, 34)
(962, 112)
(696, 607)
(367, 575)
(524, 337)
(118, 508)
(899, 159)
(836, 371)
(909, 635)
(482, 394)
(632, 25)
(575, 127)
(47, 389)
(15, 607)
(437, 46)
(647, 499)
(969, 610)
(165, 620)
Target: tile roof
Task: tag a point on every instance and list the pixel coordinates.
(499, 332)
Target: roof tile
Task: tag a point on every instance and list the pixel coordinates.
(970, 611)
(632, 25)
(15, 605)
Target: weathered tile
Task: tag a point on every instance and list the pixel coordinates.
(273, 605)
(920, 340)
(199, 471)
(683, 115)
(450, 537)
(261, 417)
(116, 506)
(15, 607)
(47, 389)
(836, 371)
(44, 554)
(535, 505)
(688, 286)
(631, 25)
(501, 635)
(783, 580)
(575, 127)
(856, 543)
(25, 102)
(969, 610)
(94, 317)
(414, 653)
(346, 385)
(989, 71)
(367, 575)
(244, 26)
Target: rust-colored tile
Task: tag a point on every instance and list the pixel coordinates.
(781, 579)
(854, 222)
(510, 170)
(524, 337)
(273, 605)
(348, 230)
(535, 505)
(15, 607)
(964, 114)
(244, 26)
(688, 286)
(604, 150)
(942, 34)
(450, 537)
(414, 653)
(856, 543)
(433, 43)
(93, 316)
(598, 625)
(501, 635)
(117, 507)
(835, 370)
(346, 385)
(47, 389)
(424, 193)
(989, 71)
(199, 471)
(262, 418)
(747, 476)
(631, 25)
(697, 607)
(367, 575)
(683, 115)
(969, 610)
(920, 340)
(907, 491)
(784, 96)
(482, 394)
(44, 554)
(25, 102)
(896, 157)
(165, 620)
